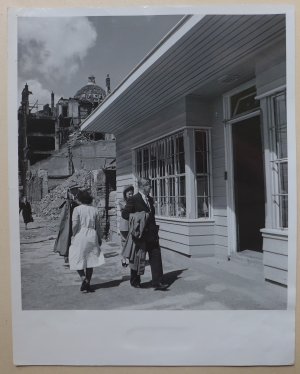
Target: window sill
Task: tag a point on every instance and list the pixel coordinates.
(275, 233)
(186, 220)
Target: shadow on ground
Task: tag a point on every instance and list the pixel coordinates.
(168, 278)
(113, 283)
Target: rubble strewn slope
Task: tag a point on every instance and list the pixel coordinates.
(50, 205)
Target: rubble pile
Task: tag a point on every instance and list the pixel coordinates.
(49, 206)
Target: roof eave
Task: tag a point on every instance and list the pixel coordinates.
(179, 30)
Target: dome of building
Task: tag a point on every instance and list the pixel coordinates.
(90, 92)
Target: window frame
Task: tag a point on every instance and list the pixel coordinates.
(190, 174)
(268, 115)
(207, 175)
(275, 162)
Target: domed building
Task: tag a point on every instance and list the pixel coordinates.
(70, 112)
(91, 92)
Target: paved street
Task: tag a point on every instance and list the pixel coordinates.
(195, 283)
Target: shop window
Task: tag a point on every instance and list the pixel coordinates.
(279, 159)
(164, 162)
(202, 173)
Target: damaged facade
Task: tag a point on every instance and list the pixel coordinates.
(43, 132)
(53, 150)
(204, 117)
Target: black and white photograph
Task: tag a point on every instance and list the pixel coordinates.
(155, 164)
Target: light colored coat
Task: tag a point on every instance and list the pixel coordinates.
(85, 248)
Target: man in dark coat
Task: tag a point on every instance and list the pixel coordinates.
(63, 240)
(142, 202)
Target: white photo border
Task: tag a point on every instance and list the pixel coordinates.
(166, 338)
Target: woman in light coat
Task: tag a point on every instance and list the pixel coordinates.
(85, 252)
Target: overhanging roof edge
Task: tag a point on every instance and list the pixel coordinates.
(178, 31)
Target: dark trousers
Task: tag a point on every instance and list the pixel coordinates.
(155, 264)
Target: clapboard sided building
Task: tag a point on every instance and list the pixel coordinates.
(204, 117)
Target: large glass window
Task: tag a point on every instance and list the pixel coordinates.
(280, 159)
(202, 173)
(164, 162)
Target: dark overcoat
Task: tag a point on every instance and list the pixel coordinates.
(25, 208)
(63, 240)
(149, 236)
(137, 204)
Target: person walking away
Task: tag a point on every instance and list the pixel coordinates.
(127, 193)
(143, 202)
(25, 208)
(85, 252)
(63, 240)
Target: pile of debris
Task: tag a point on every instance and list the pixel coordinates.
(50, 205)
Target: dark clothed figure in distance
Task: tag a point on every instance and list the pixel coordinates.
(25, 208)
(143, 202)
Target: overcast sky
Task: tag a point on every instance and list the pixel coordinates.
(58, 54)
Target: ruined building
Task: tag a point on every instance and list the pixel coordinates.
(47, 136)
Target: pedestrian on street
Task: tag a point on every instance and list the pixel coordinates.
(25, 208)
(127, 193)
(85, 252)
(63, 240)
(143, 202)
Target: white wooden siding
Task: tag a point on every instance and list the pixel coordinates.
(194, 251)
(275, 257)
(186, 228)
(275, 261)
(186, 239)
(276, 275)
(271, 71)
(221, 251)
(276, 245)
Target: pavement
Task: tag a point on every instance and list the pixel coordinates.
(208, 283)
